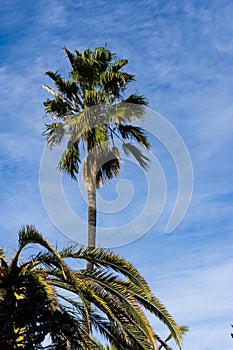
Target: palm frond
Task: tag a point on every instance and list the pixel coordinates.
(54, 133)
(70, 56)
(136, 133)
(70, 160)
(58, 108)
(155, 306)
(116, 66)
(104, 258)
(92, 98)
(138, 155)
(136, 99)
(183, 329)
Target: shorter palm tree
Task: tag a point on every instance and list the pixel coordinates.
(44, 297)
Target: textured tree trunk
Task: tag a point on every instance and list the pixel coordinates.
(91, 194)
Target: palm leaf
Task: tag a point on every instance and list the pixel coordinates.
(54, 133)
(70, 160)
(138, 155)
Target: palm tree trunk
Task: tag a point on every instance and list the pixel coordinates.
(91, 195)
(91, 240)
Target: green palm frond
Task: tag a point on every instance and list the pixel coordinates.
(79, 125)
(118, 65)
(122, 112)
(68, 88)
(143, 295)
(136, 100)
(158, 309)
(134, 133)
(29, 235)
(70, 56)
(58, 108)
(92, 98)
(70, 160)
(115, 82)
(54, 133)
(115, 286)
(108, 170)
(183, 329)
(102, 56)
(138, 155)
(110, 260)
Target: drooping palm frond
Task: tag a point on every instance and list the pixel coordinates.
(138, 155)
(136, 100)
(55, 133)
(183, 329)
(135, 283)
(59, 107)
(67, 88)
(105, 258)
(69, 162)
(101, 163)
(134, 133)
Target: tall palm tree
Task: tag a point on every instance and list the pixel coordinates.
(43, 296)
(92, 107)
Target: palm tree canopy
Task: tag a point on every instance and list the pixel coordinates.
(43, 296)
(82, 107)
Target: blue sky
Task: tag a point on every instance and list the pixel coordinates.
(181, 53)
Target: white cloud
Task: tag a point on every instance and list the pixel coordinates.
(202, 299)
